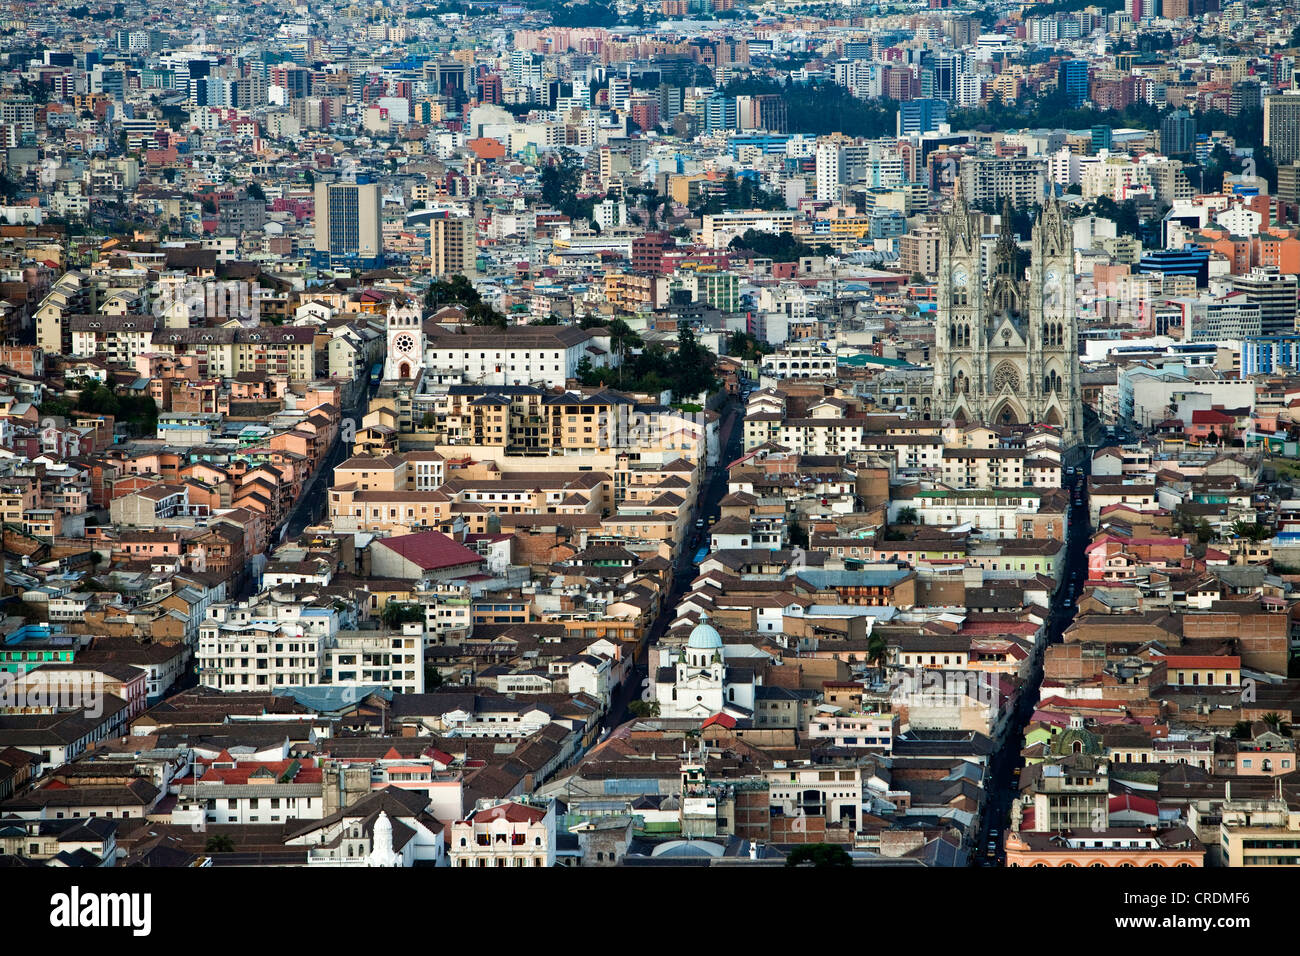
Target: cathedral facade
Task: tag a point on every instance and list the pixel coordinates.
(1006, 347)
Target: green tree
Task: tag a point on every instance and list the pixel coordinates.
(877, 651)
(1252, 530)
(432, 676)
(824, 107)
(779, 247)
(560, 181)
(693, 370)
(397, 613)
(219, 843)
(593, 14)
(643, 708)
(751, 348)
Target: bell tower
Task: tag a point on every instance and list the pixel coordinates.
(959, 335)
(405, 328)
(1006, 346)
(1054, 345)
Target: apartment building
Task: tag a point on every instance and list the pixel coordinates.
(452, 249)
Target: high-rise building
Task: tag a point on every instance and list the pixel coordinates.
(670, 101)
(1072, 80)
(620, 91)
(1006, 348)
(1102, 138)
(348, 225)
(1020, 180)
(829, 169)
(452, 248)
(1246, 95)
(1275, 294)
(719, 113)
(1288, 183)
(1177, 134)
(946, 67)
(921, 116)
(766, 111)
(964, 31)
(1282, 127)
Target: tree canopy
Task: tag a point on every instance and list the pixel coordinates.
(825, 107)
(777, 246)
(96, 398)
(460, 291)
(751, 348)
(686, 372)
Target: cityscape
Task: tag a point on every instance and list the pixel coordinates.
(693, 434)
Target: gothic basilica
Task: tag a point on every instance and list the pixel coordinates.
(1006, 348)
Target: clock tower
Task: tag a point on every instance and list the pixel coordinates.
(405, 342)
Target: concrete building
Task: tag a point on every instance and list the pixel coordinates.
(452, 248)
(348, 225)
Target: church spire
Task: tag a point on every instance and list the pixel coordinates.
(1007, 249)
(1051, 231)
(960, 226)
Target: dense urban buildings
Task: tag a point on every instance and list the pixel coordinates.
(692, 434)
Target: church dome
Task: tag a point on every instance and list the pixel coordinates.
(704, 637)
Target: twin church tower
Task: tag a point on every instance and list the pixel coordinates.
(1006, 348)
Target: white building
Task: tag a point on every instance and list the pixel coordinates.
(699, 684)
(547, 355)
(512, 833)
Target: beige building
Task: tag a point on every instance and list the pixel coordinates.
(452, 248)
(1259, 833)
(511, 833)
(919, 251)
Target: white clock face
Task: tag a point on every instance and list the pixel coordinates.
(1053, 277)
(404, 343)
(960, 278)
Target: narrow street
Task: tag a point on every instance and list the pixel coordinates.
(731, 441)
(1002, 779)
(310, 508)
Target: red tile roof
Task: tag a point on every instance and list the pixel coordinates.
(512, 812)
(1204, 662)
(430, 550)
